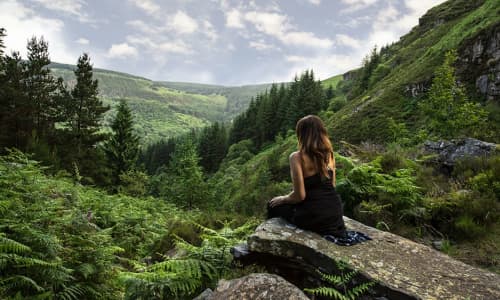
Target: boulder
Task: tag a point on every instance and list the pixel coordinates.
(256, 286)
(401, 269)
(449, 152)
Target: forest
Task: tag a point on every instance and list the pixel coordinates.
(90, 210)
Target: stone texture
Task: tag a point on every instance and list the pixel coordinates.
(257, 286)
(479, 62)
(449, 152)
(205, 295)
(405, 269)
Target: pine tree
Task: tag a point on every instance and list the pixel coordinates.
(122, 149)
(41, 88)
(212, 146)
(2, 47)
(86, 109)
(16, 122)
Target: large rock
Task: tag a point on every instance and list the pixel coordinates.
(257, 286)
(449, 152)
(401, 268)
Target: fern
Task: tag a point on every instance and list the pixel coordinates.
(10, 246)
(340, 283)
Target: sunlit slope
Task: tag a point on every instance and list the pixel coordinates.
(412, 60)
(161, 110)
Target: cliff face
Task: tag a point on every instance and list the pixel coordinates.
(479, 62)
(402, 269)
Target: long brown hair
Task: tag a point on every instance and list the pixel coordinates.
(314, 141)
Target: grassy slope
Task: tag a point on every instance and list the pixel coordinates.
(164, 109)
(413, 60)
(332, 81)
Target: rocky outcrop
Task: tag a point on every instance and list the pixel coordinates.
(257, 286)
(479, 62)
(416, 89)
(449, 152)
(402, 269)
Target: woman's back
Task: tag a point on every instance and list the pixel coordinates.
(321, 210)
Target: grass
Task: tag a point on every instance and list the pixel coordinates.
(164, 109)
(414, 59)
(332, 81)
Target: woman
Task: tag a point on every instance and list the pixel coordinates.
(313, 204)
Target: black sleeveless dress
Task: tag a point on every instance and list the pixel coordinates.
(321, 210)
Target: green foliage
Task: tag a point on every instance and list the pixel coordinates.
(212, 146)
(368, 182)
(449, 112)
(413, 60)
(199, 267)
(278, 111)
(122, 149)
(341, 286)
(184, 184)
(337, 103)
(166, 109)
(61, 240)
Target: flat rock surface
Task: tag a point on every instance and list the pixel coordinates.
(257, 286)
(396, 263)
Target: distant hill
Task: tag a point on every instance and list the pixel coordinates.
(165, 109)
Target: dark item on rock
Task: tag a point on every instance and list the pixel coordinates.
(351, 238)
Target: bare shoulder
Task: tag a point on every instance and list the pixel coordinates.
(294, 156)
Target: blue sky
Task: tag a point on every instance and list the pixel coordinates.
(212, 41)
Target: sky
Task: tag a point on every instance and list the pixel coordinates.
(228, 42)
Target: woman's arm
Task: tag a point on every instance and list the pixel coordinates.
(299, 192)
(334, 180)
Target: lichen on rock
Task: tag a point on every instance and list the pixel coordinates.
(401, 268)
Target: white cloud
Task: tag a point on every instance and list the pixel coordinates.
(122, 50)
(82, 41)
(261, 45)
(209, 31)
(272, 24)
(390, 24)
(305, 39)
(23, 23)
(315, 2)
(234, 19)
(148, 6)
(278, 26)
(354, 5)
(182, 23)
(158, 48)
(142, 26)
(323, 65)
(345, 40)
(73, 8)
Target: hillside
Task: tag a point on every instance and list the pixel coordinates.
(165, 109)
(386, 183)
(406, 69)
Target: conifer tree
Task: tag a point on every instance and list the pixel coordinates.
(41, 88)
(15, 127)
(2, 47)
(185, 183)
(212, 146)
(122, 149)
(86, 109)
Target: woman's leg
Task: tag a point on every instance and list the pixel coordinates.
(285, 211)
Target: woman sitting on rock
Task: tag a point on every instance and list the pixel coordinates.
(313, 204)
